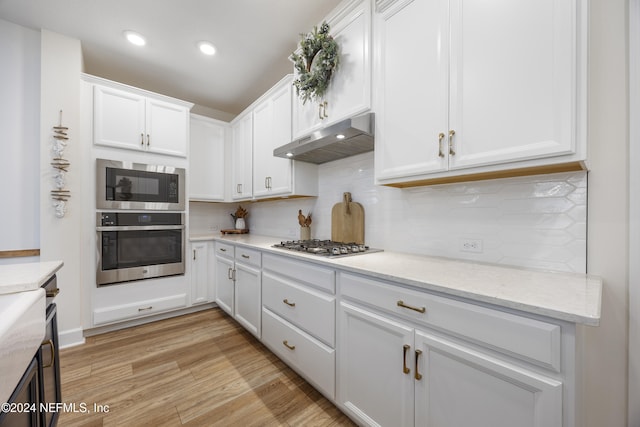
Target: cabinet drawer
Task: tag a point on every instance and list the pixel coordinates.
(308, 356)
(311, 310)
(304, 272)
(529, 339)
(138, 309)
(248, 256)
(225, 250)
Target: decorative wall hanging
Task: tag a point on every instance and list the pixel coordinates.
(60, 164)
(315, 64)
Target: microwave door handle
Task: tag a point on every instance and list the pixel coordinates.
(140, 228)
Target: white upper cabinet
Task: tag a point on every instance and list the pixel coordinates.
(206, 159)
(242, 157)
(349, 91)
(271, 129)
(463, 88)
(256, 132)
(131, 120)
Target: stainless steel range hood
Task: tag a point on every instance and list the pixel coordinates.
(343, 139)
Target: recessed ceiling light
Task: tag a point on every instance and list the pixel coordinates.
(135, 38)
(206, 47)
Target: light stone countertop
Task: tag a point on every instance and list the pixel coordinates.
(26, 276)
(571, 297)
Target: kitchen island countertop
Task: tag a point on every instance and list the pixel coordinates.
(572, 297)
(26, 276)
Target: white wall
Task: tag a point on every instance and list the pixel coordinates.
(19, 144)
(60, 238)
(606, 347)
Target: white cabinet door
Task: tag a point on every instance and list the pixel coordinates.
(374, 372)
(119, 118)
(241, 158)
(513, 80)
(225, 286)
(248, 302)
(271, 129)
(167, 128)
(199, 272)
(458, 386)
(488, 89)
(127, 120)
(206, 159)
(412, 112)
(349, 91)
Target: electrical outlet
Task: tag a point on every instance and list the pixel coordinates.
(471, 245)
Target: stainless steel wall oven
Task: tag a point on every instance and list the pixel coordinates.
(139, 245)
(127, 185)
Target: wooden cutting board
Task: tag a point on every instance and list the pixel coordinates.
(347, 221)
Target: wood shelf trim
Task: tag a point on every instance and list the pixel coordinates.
(20, 253)
(509, 173)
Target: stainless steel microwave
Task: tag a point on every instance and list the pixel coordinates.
(128, 185)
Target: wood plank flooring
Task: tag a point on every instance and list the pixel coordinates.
(200, 369)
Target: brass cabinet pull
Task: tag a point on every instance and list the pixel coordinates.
(451, 150)
(52, 292)
(266, 182)
(148, 140)
(324, 109)
(417, 375)
(320, 111)
(142, 139)
(289, 346)
(403, 305)
(145, 308)
(405, 349)
(52, 352)
(245, 256)
(239, 188)
(194, 254)
(440, 138)
(290, 304)
(231, 274)
(223, 249)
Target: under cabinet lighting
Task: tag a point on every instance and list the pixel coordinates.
(340, 136)
(135, 38)
(289, 154)
(206, 48)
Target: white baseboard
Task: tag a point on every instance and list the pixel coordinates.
(70, 338)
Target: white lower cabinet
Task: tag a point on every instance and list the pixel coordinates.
(201, 282)
(238, 284)
(139, 308)
(395, 370)
(298, 318)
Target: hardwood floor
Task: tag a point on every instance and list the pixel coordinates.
(200, 369)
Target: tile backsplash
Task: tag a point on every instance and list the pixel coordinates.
(537, 222)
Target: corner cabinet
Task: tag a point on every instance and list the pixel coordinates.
(202, 289)
(242, 157)
(491, 89)
(264, 126)
(349, 91)
(135, 120)
(206, 159)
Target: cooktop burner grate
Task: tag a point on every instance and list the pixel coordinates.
(327, 248)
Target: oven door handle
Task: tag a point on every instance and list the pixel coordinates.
(140, 227)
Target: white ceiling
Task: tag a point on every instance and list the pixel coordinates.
(253, 39)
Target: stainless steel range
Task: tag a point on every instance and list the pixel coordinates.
(326, 248)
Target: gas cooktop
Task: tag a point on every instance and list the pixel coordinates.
(326, 248)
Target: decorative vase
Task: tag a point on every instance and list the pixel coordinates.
(305, 233)
(240, 224)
